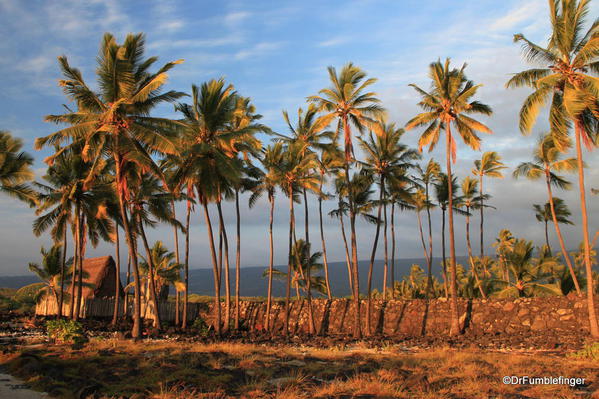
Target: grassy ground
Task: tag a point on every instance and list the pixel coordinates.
(161, 369)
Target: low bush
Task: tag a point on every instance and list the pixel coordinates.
(590, 352)
(66, 331)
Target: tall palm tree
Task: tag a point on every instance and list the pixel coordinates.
(15, 169)
(488, 165)
(347, 101)
(386, 159)
(114, 121)
(210, 164)
(471, 200)
(544, 214)
(546, 162)
(562, 76)
(296, 172)
(329, 162)
(449, 102)
(426, 177)
(268, 181)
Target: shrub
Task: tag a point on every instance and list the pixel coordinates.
(67, 331)
(590, 352)
(200, 325)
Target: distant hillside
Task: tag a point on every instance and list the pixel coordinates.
(253, 284)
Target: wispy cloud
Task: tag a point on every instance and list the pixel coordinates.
(335, 41)
(257, 50)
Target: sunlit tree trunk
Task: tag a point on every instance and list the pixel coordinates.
(594, 327)
(186, 266)
(237, 258)
(453, 303)
(75, 265)
(271, 200)
(372, 256)
(115, 314)
(347, 258)
(385, 239)
(215, 271)
(177, 259)
(393, 250)
(152, 273)
(429, 280)
(306, 217)
(223, 230)
(290, 260)
(425, 251)
(445, 279)
(324, 247)
(63, 264)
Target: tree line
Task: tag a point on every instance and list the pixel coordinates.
(116, 166)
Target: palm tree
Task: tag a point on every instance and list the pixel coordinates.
(329, 162)
(51, 273)
(310, 132)
(529, 275)
(503, 244)
(488, 165)
(546, 161)
(210, 163)
(346, 100)
(15, 169)
(386, 159)
(419, 204)
(544, 214)
(115, 121)
(471, 200)
(268, 182)
(295, 172)
(562, 75)
(450, 102)
(426, 177)
(166, 270)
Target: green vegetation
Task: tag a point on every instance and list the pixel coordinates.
(66, 331)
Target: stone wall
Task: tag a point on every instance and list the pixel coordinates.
(424, 317)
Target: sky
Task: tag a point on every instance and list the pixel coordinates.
(276, 52)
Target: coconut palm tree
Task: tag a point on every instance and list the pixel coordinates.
(51, 273)
(470, 200)
(114, 122)
(546, 162)
(329, 162)
(347, 101)
(419, 204)
(544, 214)
(386, 159)
(268, 181)
(425, 177)
(529, 277)
(503, 244)
(15, 169)
(489, 165)
(449, 102)
(562, 76)
(296, 172)
(166, 270)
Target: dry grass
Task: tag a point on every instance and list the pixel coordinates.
(171, 370)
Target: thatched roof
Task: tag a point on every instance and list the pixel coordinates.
(100, 274)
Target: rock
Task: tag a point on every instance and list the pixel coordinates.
(508, 307)
(567, 317)
(526, 323)
(523, 312)
(562, 312)
(538, 324)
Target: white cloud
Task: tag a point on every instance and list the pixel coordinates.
(257, 50)
(234, 19)
(333, 42)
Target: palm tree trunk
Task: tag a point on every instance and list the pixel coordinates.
(306, 217)
(75, 265)
(312, 326)
(186, 267)
(372, 256)
(547, 236)
(215, 271)
(393, 250)
(559, 233)
(226, 263)
(347, 259)
(445, 280)
(237, 259)
(270, 261)
(354, 247)
(429, 282)
(453, 303)
(324, 247)
(470, 257)
(63, 263)
(136, 329)
(115, 314)
(177, 259)
(482, 217)
(152, 276)
(426, 256)
(289, 260)
(594, 327)
(385, 239)
(83, 242)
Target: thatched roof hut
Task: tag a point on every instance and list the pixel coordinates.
(99, 274)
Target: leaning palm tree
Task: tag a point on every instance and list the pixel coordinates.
(546, 162)
(114, 122)
(15, 169)
(488, 165)
(563, 76)
(449, 102)
(544, 214)
(386, 159)
(471, 200)
(347, 101)
(268, 181)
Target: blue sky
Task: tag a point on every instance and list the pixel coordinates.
(277, 53)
